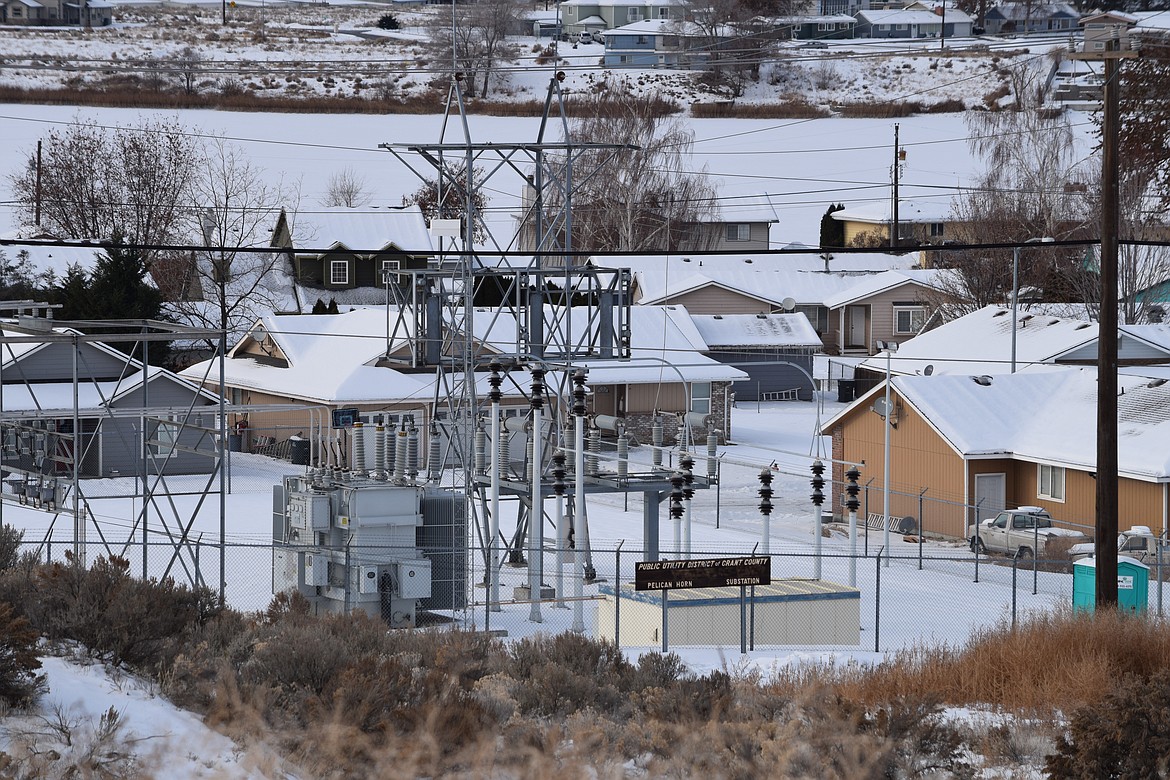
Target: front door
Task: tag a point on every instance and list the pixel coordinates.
(990, 495)
(855, 327)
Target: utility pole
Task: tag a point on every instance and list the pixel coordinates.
(899, 155)
(37, 217)
(1106, 529)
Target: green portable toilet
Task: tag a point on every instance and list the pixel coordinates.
(1133, 584)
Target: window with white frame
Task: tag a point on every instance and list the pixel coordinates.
(663, 13)
(739, 231)
(909, 319)
(936, 229)
(701, 397)
(389, 271)
(1051, 481)
(900, 27)
(642, 40)
(634, 14)
(338, 272)
(166, 437)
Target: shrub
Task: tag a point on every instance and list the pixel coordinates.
(19, 683)
(388, 22)
(1125, 734)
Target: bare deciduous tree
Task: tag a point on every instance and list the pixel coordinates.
(472, 39)
(237, 209)
(97, 182)
(645, 198)
(346, 188)
(1032, 186)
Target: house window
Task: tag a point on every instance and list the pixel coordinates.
(818, 317)
(900, 27)
(670, 41)
(166, 437)
(634, 14)
(701, 397)
(389, 271)
(338, 272)
(739, 231)
(1051, 482)
(642, 40)
(883, 28)
(909, 319)
(663, 13)
(936, 229)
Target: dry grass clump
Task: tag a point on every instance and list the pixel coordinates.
(788, 109)
(1052, 662)
(883, 110)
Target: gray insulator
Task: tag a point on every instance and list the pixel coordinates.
(358, 461)
(379, 452)
(656, 440)
(434, 456)
(503, 452)
(480, 449)
(681, 437)
(401, 452)
(623, 454)
(528, 454)
(591, 450)
(712, 454)
(391, 446)
(412, 452)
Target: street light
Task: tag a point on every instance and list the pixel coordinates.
(1016, 286)
(887, 419)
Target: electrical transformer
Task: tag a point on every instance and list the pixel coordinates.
(363, 543)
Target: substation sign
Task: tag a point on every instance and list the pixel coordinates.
(702, 573)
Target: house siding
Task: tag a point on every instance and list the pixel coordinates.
(766, 376)
(54, 362)
(716, 300)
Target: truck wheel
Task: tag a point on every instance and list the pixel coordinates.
(978, 546)
(1025, 552)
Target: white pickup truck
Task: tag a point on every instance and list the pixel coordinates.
(1138, 543)
(1025, 530)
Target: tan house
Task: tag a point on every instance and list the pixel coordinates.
(883, 307)
(919, 222)
(963, 447)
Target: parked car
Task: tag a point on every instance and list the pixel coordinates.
(1025, 530)
(1138, 543)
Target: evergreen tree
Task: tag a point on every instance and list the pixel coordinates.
(72, 293)
(118, 290)
(832, 230)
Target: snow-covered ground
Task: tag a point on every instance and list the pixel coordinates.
(938, 603)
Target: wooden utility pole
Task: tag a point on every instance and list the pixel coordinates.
(37, 209)
(894, 227)
(1106, 526)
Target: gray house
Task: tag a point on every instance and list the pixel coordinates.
(594, 16)
(913, 21)
(52, 385)
(776, 351)
(1026, 17)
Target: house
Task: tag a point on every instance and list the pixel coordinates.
(50, 378)
(338, 364)
(825, 27)
(594, 16)
(974, 445)
(889, 306)
(776, 351)
(980, 343)
(1027, 17)
(919, 222)
(653, 43)
(348, 254)
(1099, 28)
(747, 284)
(743, 224)
(85, 13)
(913, 21)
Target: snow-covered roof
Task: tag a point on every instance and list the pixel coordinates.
(91, 397)
(875, 284)
(749, 208)
(980, 343)
(1152, 20)
(366, 228)
(623, 3)
(1109, 16)
(656, 27)
(909, 211)
(1044, 416)
(1020, 11)
(333, 359)
(756, 330)
(770, 278)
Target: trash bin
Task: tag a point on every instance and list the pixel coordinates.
(235, 442)
(298, 451)
(846, 390)
(1133, 584)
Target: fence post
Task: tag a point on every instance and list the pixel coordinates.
(877, 601)
(1158, 568)
(1015, 568)
(975, 536)
(617, 589)
(920, 528)
(665, 644)
(866, 510)
(752, 620)
(743, 619)
(487, 591)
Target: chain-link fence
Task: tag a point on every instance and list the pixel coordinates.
(868, 602)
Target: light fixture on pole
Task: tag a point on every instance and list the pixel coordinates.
(890, 348)
(1016, 286)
